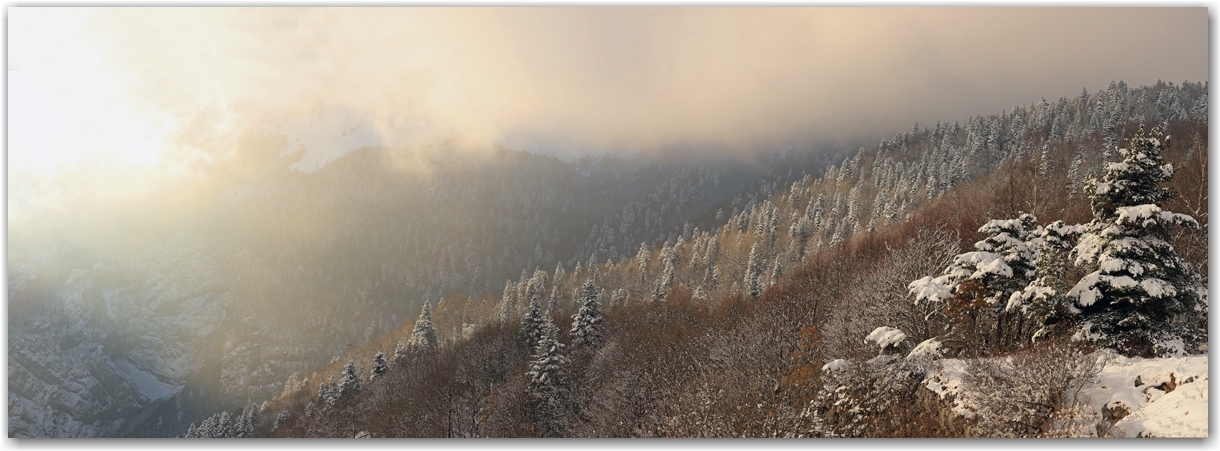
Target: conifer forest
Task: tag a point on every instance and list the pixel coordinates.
(624, 222)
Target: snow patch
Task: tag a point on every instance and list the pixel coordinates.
(1169, 401)
(886, 336)
(835, 365)
(148, 384)
(927, 349)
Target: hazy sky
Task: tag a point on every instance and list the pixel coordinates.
(133, 94)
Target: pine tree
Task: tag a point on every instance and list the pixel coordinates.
(351, 382)
(777, 270)
(1011, 240)
(552, 306)
(379, 365)
(1140, 297)
(508, 302)
(588, 325)
(531, 324)
(280, 419)
(1044, 301)
(641, 260)
(400, 352)
(548, 379)
(423, 336)
(754, 269)
(332, 392)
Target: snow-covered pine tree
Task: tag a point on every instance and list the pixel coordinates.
(280, 419)
(641, 260)
(1013, 240)
(531, 324)
(588, 326)
(619, 297)
(1044, 301)
(548, 376)
(400, 351)
(1140, 297)
(423, 336)
(777, 270)
(552, 305)
(351, 382)
(508, 302)
(332, 392)
(983, 281)
(754, 269)
(379, 365)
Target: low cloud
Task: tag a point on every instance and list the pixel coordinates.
(578, 80)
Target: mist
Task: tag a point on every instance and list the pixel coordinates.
(167, 93)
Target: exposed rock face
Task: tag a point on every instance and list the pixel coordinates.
(96, 349)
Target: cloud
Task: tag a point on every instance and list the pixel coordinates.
(571, 80)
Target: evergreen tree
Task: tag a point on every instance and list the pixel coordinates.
(548, 379)
(588, 326)
(641, 260)
(332, 392)
(379, 365)
(280, 419)
(552, 306)
(754, 269)
(423, 336)
(508, 302)
(777, 270)
(351, 382)
(1140, 297)
(1011, 240)
(400, 352)
(1044, 301)
(531, 324)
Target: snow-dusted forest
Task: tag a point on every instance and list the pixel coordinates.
(607, 222)
(1036, 273)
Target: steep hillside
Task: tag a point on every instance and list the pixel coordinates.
(726, 332)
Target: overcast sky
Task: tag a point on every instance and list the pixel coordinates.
(158, 90)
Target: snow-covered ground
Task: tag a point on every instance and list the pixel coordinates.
(1165, 397)
(1160, 397)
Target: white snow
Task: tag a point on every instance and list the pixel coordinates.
(945, 380)
(148, 384)
(927, 349)
(984, 263)
(886, 336)
(929, 288)
(835, 365)
(1171, 400)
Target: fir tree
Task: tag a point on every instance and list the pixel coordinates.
(552, 306)
(351, 382)
(753, 276)
(777, 270)
(531, 324)
(508, 302)
(280, 419)
(423, 336)
(1140, 297)
(548, 376)
(1044, 301)
(379, 365)
(588, 326)
(400, 351)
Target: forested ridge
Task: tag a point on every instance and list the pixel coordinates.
(681, 294)
(1020, 249)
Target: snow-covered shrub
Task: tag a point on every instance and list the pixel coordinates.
(1034, 393)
